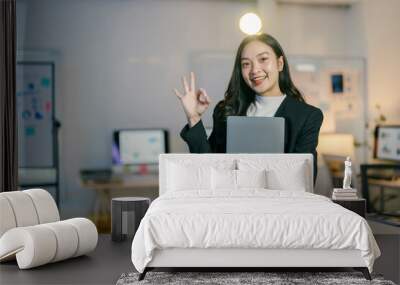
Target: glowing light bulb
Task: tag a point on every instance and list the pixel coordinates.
(250, 23)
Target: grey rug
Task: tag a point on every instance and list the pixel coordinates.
(228, 278)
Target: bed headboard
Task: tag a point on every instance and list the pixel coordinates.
(209, 158)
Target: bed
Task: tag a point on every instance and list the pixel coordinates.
(244, 211)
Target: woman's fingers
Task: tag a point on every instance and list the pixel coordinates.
(203, 97)
(179, 95)
(201, 93)
(192, 81)
(189, 88)
(185, 85)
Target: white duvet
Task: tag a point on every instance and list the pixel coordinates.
(251, 218)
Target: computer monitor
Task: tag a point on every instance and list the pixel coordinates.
(139, 146)
(387, 143)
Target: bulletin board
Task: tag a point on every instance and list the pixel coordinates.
(337, 85)
(35, 111)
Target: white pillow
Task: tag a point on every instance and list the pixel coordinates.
(236, 179)
(251, 178)
(194, 174)
(182, 177)
(292, 175)
(295, 180)
(223, 179)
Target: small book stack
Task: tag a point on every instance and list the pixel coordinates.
(344, 194)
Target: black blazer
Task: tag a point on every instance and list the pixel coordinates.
(302, 125)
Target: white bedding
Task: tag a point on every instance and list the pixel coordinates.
(251, 218)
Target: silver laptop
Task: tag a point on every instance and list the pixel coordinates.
(255, 134)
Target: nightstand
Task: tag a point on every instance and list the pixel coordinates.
(126, 214)
(357, 205)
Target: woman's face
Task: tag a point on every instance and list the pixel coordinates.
(260, 67)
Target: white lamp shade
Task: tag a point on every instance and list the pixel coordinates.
(336, 144)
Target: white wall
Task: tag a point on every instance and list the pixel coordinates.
(118, 61)
(118, 64)
(307, 29)
(378, 30)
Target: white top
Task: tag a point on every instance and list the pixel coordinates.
(265, 106)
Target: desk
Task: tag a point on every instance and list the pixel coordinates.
(104, 189)
(393, 184)
(383, 184)
(373, 175)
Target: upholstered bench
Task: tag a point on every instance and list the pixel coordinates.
(31, 230)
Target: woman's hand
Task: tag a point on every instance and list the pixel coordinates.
(194, 102)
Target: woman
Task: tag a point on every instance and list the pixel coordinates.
(260, 85)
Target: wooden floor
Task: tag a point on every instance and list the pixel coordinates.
(103, 266)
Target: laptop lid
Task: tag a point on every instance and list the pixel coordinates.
(255, 134)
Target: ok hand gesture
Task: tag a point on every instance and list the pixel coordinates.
(194, 102)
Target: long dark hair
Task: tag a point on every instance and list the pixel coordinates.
(239, 95)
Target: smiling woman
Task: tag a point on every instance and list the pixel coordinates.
(260, 85)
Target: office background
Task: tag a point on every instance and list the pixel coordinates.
(117, 62)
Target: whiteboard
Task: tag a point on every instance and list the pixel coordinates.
(35, 114)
